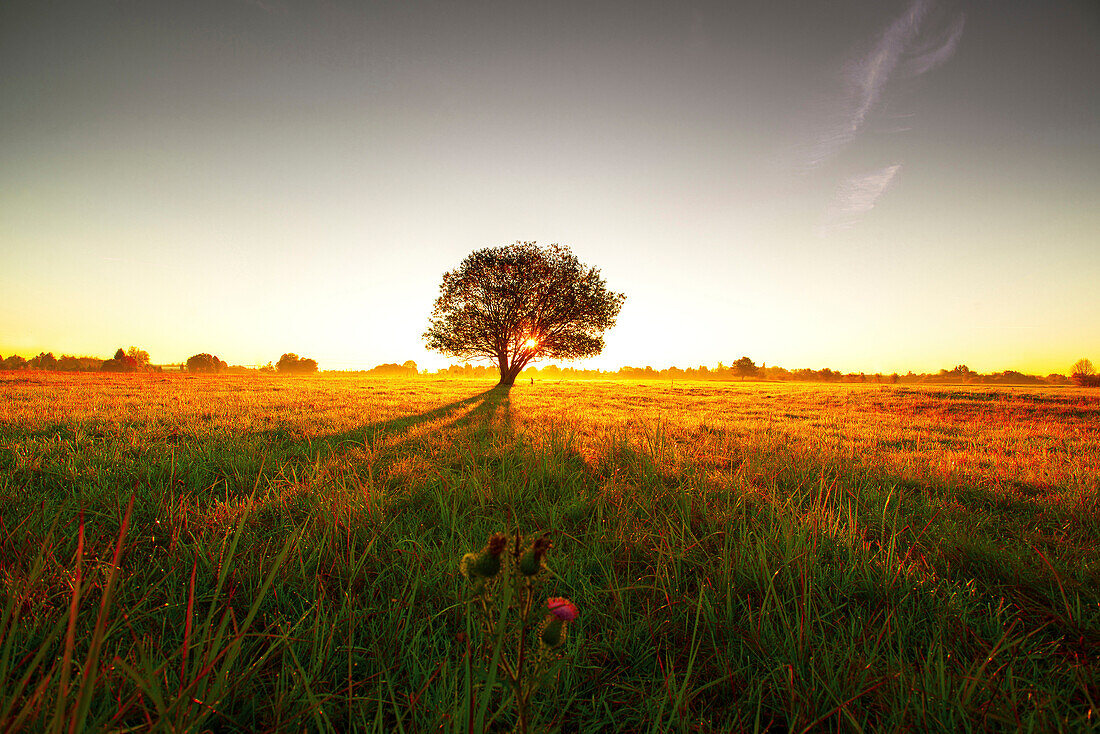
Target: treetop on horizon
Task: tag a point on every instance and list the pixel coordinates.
(520, 302)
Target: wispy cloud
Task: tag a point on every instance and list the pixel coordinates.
(856, 196)
(914, 43)
(937, 49)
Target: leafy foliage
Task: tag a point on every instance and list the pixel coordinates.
(520, 302)
(745, 367)
(292, 363)
(140, 357)
(205, 363)
(122, 362)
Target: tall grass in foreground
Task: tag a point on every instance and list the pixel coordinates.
(210, 554)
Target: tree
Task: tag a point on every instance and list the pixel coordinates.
(15, 362)
(411, 367)
(292, 363)
(121, 362)
(44, 361)
(140, 357)
(1084, 374)
(521, 302)
(205, 363)
(744, 367)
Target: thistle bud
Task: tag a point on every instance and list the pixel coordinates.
(552, 632)
(530, 563)
(486, 564)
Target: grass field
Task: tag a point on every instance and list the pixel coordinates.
(745, 557)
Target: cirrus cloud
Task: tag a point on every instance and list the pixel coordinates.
(857, 195)
(917, 41)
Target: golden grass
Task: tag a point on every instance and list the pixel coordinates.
(853, 508)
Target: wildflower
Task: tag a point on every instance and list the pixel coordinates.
(562, 608)
(486, 564)
(552, 631)
(530, 563)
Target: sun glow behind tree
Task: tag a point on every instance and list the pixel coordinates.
(517, 303)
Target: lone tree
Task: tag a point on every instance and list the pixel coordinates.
(745, 367)
(521, 302)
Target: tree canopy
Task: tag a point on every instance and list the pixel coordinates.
(121, 362)
(1084, 374)
(205, 363)
(520, 302)
(745, 367)
(291, 363)
(140, 357)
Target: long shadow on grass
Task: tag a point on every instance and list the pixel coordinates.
(370, 433)
(242, 462)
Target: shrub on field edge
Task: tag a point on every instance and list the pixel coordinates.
(292, 363)
(205, 363)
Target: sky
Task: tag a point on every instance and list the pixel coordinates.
(877, 186)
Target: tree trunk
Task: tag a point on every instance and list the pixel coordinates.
(508, 375)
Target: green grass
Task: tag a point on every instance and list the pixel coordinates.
(768, 557)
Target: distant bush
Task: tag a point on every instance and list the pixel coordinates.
(205, 363)
(140, 357)
(44, 361)
(394, 370)
(69, 363)
(121, 362)
(291, 363)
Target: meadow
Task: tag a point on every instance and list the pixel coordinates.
(778, 557)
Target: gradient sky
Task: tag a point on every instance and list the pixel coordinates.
(869, 186)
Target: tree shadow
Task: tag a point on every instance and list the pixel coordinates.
(492, 415)
(371, 433)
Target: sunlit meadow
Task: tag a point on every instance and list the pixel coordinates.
(744, 557)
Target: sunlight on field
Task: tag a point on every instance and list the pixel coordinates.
(885, 539)
(1024, 442)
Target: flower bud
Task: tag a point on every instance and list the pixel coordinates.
(552, 632)
(530, 563)
(486, 564)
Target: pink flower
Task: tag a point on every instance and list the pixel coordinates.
(562, 608)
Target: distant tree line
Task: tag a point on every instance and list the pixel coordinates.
(133, 359)
(129, 360)
(745, 368)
